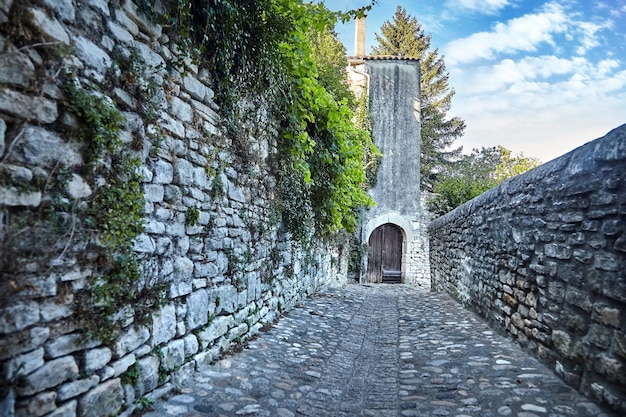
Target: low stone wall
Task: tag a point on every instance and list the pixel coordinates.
(212, 249)
(542, 258)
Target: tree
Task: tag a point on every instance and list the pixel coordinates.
(404, 36)
(474, 174)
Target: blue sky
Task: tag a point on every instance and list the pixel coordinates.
(538, 77)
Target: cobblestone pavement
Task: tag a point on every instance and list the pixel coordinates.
(380, 350)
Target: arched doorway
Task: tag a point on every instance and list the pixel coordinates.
(384, 262)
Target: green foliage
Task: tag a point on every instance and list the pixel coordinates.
(404, 36)
(474, 174)
(283, 54)
(131, 376)
(113, 215)
(192, 216)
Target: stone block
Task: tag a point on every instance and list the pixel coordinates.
(53, 310)
(48, 26)
(38, 405)
(607, 315)
(16, 69)
(23, 364)
(41, 147)
(226, 299)
(184, 374)
(121, 365)
(613, 368)
(173, 355)
(172, 125)
(154, 193)
(599, 336)
(95, 359)
(144, 244)
(558, 251)
(606, 261)
(163, 172)
(578, 298)
(163, 325)
(66, 410)
(93, 56)
(23, 341)
(183, 269)
(199, 306)
(218, 327)
(129, 340)
(191, 345)
(562, 343)
(18, 316)
(148, 375)
(178, 289)
(66, 344)
(76, 388)
(50, 375)
(33, 108)
(181, 110)
(104, 400)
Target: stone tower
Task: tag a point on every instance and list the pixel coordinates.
(396, 228)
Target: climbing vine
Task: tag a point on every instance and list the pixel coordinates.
(260, 49)
(113, 214)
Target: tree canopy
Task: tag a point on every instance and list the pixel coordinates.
(476, 173)
(404, 36)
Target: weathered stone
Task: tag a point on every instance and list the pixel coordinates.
(23, 341)
(48, 26)
(38, 109)
(148, 374)
(191, 345)
(76, 388)
(120, 33)
(226, 299)
(607, 315)
(40, 147)
(130, 340)
(579, 298)
(606, 261)
(18, 316)
(121, 365)
(198, 309)
(184, 172)
(562, 342)
(93, 56)
(24, 364)
(599, 336)
(53, 373)
(144, 244)
(64, 9)
(610, 367)
(68, 343)
(557, 251)
(173, 355)
(102, 401)
(217, 328)
(95, 359)
(172, 125)
(163, 172)
(183, 269)
(16, 69)
(154, 193)
(66, 410)
(38, 405)
(77, 187)
(11, 197)
(181, 110)
(164, 325)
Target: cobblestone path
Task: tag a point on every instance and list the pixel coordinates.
(380, 350)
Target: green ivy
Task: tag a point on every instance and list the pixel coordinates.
(113, 215)
(260, 49)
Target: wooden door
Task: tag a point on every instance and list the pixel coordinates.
(384, 262)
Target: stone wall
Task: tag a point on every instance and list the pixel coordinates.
(224, 275)
(542, 258)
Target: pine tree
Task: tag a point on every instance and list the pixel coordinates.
(404, 36)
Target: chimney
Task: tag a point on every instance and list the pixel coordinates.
(360, 36)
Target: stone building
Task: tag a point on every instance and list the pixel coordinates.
(395, 230)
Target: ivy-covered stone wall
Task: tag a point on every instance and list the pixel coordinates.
(138, 240)
(542, 257)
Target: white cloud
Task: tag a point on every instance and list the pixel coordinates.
(521, 34)
(480, 6)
